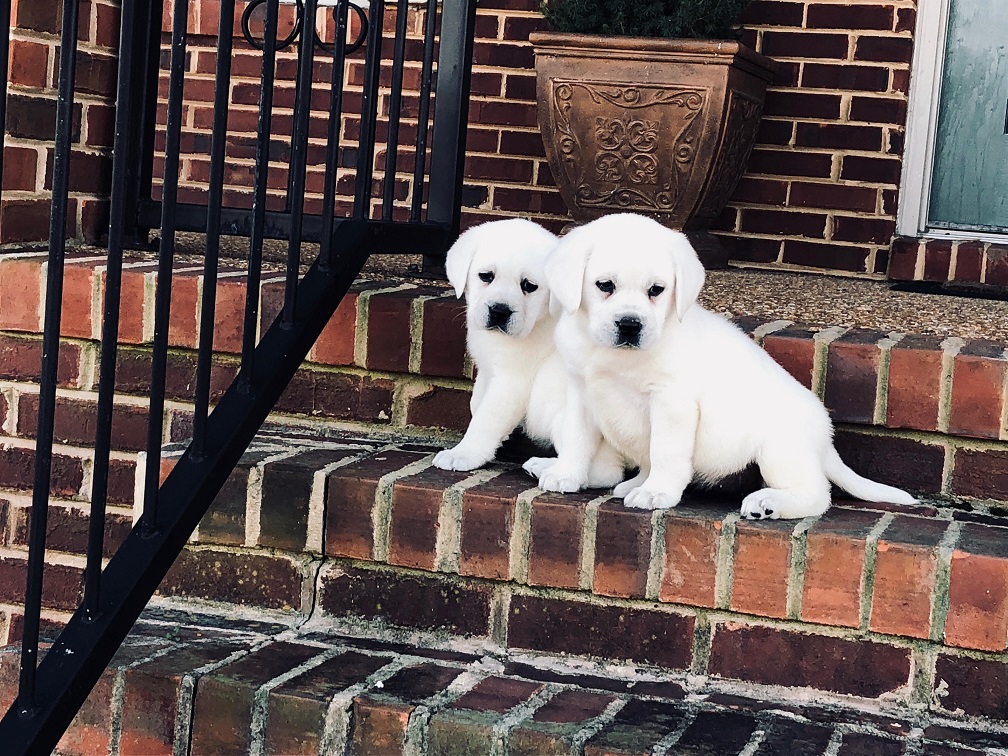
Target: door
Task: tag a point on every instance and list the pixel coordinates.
(969, 183)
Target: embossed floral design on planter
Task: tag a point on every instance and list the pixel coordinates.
(655, 126)
(621, 167)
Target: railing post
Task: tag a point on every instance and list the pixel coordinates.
(451, 116)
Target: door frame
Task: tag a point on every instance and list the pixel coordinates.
(930, 36)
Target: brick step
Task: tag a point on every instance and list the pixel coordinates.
(884, 603)
(916, 411)
(890, 603)
(186, 683)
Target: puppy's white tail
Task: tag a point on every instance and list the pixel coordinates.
(860, 487)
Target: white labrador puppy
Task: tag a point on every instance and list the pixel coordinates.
(678, 390)
(520, 380)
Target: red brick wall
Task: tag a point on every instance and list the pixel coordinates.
(31, 120)
(821, 190)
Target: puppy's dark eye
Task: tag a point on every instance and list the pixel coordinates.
(606, 287)
(527, 286)
(486, 276)
(655, 290)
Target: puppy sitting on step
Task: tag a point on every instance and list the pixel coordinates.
(679, 391)
(520, 380)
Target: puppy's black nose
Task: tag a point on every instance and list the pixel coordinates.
(628, 331)
(498, 315)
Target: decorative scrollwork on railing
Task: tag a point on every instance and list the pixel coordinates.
(348, 48)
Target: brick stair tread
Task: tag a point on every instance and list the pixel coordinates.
(220, 684)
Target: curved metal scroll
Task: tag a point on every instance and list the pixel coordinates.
(348, 49)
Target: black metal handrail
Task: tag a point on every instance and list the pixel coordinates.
(52, 691)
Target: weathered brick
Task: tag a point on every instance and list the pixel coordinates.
(773, 656)
(222, 707)
(975, 686)
(550, 731)
(915, 368)
(636, 729)
(260, 580)
(622, 550)
(835, 554)
(351, 497)
(488, 514)
(296, 720)
(762, 563)
(443, 349)
(388, 334)
(903, 259)
(287, 486)
(380, 717)
(978, 377)
(937, 260)
(978, 590)
(416, 506)
(151, 692)
(335, 345)
(557, 626)
(980, 473)
(794, 349)
(467, 726)
(555, 541)
(424, 603)
(906, 566)
(440, 407)
(691, 554)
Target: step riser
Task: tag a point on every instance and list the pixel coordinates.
(238, 688)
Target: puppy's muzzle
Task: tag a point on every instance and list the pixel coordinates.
(498, 316)
(628, 331)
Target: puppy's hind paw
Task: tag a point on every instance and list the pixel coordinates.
(761, 505)
(536, 466)
(643, 498)
(459, 459)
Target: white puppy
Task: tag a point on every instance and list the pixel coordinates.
(520, 380)
(678, 390)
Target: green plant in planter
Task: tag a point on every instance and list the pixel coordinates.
(692, 19)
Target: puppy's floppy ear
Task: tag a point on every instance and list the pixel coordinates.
(460, 257)
(689, 274)
(565, 269)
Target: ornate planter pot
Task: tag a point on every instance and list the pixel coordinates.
(654, 126)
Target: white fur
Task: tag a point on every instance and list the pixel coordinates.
(696, 398)
(520, 379)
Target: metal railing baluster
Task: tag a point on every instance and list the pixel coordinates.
(336, 77)
(299, 156)
(395, 109)
(50, 357)
(215, 200)
(110, 321)
(166, 259)
(369, 112)
(263, 139)
(423, 117)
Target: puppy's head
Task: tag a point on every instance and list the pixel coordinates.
(499, 266)
(628, 274)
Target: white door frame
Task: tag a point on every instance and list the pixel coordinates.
(922, 123)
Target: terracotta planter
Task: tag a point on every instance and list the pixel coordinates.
(659, 127)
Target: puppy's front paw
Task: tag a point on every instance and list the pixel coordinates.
(460, 458)
(645, 498)
(761, 505)
(536, 466)
(559, 480)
